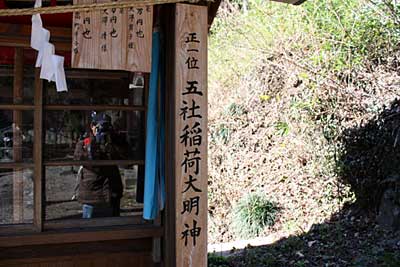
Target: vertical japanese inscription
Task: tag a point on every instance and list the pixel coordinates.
(191, 140)
(139, 38)
(112, 38)
(84, 37)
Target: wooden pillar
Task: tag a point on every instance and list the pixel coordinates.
(38, 183)
(190, 124)
(18, 182)
(168, 27)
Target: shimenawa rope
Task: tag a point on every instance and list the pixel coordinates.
(89, 7)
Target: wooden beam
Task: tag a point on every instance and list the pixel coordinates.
(56, 237)
(11, 165)
(94, 107)
(43, 1)
(19, 35)
(96, 74)
(37, 255)
(93, 162)
(62, 224)
(191, 135)
(6, 71)
(17, 229)
(16, 107)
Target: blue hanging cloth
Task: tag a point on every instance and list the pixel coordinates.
(161, 140)
(154, 181)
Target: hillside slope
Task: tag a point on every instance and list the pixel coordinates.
(287, 83)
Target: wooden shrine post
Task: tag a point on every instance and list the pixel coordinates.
(190, 125)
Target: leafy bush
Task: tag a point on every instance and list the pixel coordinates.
(252, 214)
(222, 134)
(333, 35)
(217, 261)
(282, 128)
(390, 259)
(352, 33)
(235, 110)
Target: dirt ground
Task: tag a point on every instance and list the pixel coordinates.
(350, 239)
(60, 184)
(6, 196)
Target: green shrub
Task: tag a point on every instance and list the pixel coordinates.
(282, 128)
(217, 261)
(221, 134)
(252, 214)
(390, 259)
(332, 35)
(235, 110)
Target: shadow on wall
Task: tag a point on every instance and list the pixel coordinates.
(364, 233)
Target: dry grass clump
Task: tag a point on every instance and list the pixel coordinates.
(253, 214)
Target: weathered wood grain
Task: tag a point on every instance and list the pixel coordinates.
(139, 39)
(85, 38)
(191, 71)
(112, 39)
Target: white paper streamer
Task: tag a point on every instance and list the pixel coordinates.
(47, 71)
(52, 66)
(36, 33)
(39, 38)
(38, 3)
(58, 64)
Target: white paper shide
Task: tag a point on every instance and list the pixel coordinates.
(52, 66)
